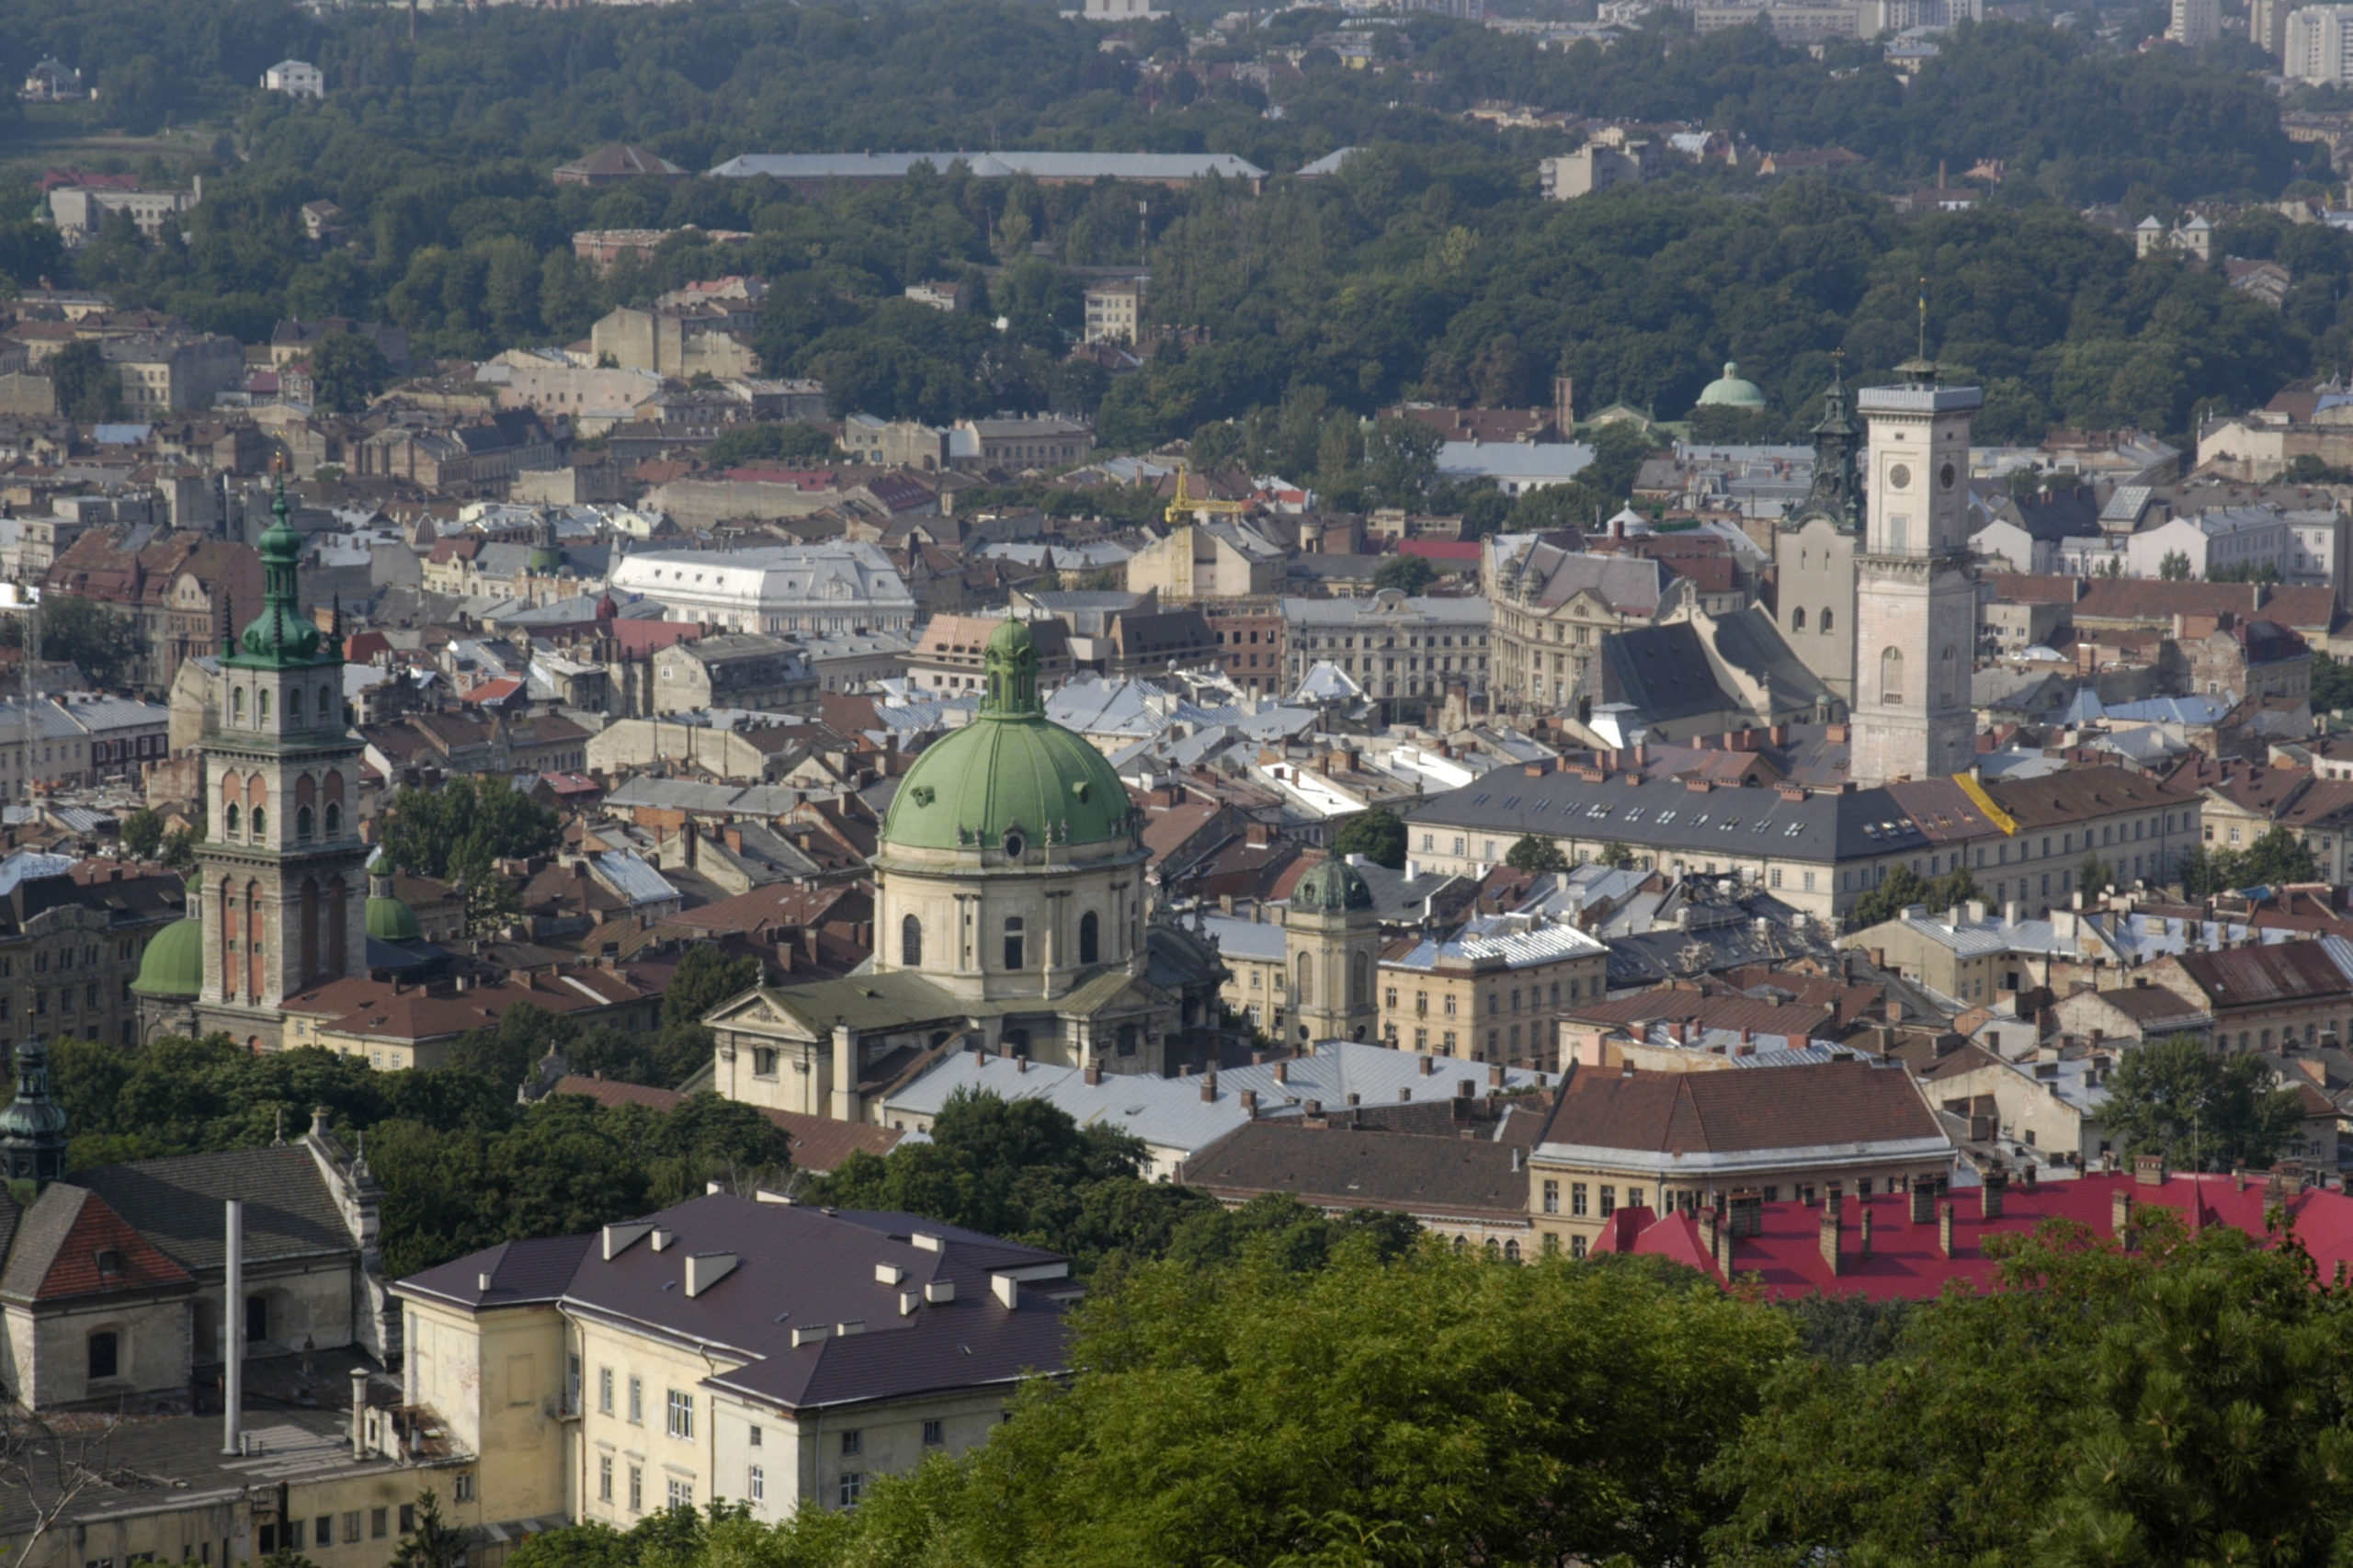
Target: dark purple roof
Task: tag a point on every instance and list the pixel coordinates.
(796, 1268)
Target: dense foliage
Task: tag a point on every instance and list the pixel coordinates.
(2276, 858)
(2200, 1110)
(1427, 266)
(463, 1165)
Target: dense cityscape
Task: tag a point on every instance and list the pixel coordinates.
(1408, 781)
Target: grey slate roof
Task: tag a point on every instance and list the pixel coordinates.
(176, 1204)
(1337, 1166)
(796, 1268)
(1665, 814)
(41, 1229)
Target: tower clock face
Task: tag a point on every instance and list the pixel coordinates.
(1899, 476)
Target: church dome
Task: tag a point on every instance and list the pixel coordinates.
(172, 968)
(1728, 390)
(1010, 770)
(389, 920)
(1335, 886)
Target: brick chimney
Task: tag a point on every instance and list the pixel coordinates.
(1998, 1184)
(1830, 1230)
(1924, 1200)
(1944, 1229)
(2119, 1218)
(2148, 1170)
(1865, 1249)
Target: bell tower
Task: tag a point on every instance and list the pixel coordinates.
(283, 889)
(1332, 950)
(1916, 619)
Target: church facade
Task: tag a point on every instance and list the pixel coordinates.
(1011, 909)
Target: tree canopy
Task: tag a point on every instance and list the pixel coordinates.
(1378, 835)
(2200, 1110)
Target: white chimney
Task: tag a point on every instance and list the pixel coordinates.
(705, 1269)
(1008, 1290)
(939, 1293)
(232, 1333)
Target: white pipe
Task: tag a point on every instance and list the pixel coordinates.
(233, 1332)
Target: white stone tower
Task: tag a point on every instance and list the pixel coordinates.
(283, 889)
(1916, 617)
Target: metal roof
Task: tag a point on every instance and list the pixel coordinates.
(1665, 814)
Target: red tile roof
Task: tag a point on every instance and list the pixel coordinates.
(100, 1252)
(1907, 1262)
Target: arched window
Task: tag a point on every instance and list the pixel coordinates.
(1090, 939)
(1797, 618)
(1511, 1252)
(237, 706)
(302, 825)
(229, 820)
(261, 824)
(1013, 945)
(335, 820)
(910, 939)
(1303, 993)
(1360, 980)
(1494, 1249)
(294, 706)
(1947, 683)
(1461, 1246)
(1826, 620)
(262, 700)
(327, 703)
(1890, 676)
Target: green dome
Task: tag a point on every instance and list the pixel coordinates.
(1335, 885)
(1011, 768)
(173, 965)
(282, 635)
(1728, 390)
(389, 920)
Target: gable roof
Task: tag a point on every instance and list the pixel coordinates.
(1338, 1166)
(1846, 1106)
(72, 1244)
(176, 1204)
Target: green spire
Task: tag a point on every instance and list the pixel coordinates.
(282, 634)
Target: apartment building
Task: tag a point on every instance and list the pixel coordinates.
(1492, 991)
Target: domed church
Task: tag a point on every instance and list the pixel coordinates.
(1010, 904)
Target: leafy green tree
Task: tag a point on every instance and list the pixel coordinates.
(1903, 887)
(2135, 1390)
(179, 849)
(435, 1542)
(1557, 1413)
(88, 388)
(143, 834)
(466, 824)
(2175, 567)
(2199, 1110)
(2275, 858)
(1619, 451)
(1531, 853)
(1617, 857)
(705, 977)
(2092, 876)
(2332, 683)
(1378, 835)
(1407, 573)
(740, 444)
(104, 646)
(348, 369)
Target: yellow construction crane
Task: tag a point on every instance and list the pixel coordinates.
(1183, 508)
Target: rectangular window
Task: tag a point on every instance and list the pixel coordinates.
(935, 1434)
(604, 1390)
(408, 1519)
(1576, 1197)
(293, 1535)
(853, 1444)
(463, 1487)
(852, 1487)
(323, 1528)
(379, 1522)
(1608, 1200)
(604, 1478)
(682, 1413)
(681, 1493)
(636, 1490)
(636, 1399)
(755, 1484)
(1577, 1246)
(753, 1441)
(1551, 1198)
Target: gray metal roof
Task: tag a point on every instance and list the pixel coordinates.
(1664, 814)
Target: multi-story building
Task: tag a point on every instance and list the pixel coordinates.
(73, 936)
(1492, 991)
(1668, 1141)
(2194, 23)
(2267, 26)
(608, 1376)
(948, 657)
(1249, 634)
(1550, 608)
(1973, 954)
(79, 211)
(681, 342)
(2266, 997)
(742, 669)
(296, 79)
(1114, 310)
(180, 591)
(1195, 561)
(1398, 649)
(1036, 441)
(780, 590)
(1594, 168)
(2319, 44)
(164, 371)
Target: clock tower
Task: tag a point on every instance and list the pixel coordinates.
(283, 892)
(1916, 616)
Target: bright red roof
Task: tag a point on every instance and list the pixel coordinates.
(1907, 1262)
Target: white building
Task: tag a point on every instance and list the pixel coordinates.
(300, 79)
(2319, 44)
(2227, 538)
(819, 588)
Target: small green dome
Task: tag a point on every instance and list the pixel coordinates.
(389, 920)
(1728, 390)
(1335, 885)
(173, 965)
(1011, 768)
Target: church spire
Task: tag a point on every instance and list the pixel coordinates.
(282, 635)
(32, 1130)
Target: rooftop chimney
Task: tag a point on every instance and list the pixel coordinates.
(1944, 1229)
(1866, 1248)
(1924, 1200)
(2119, 1218)
(1830, 1229)
(232, 1331)
(1997, 1185)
